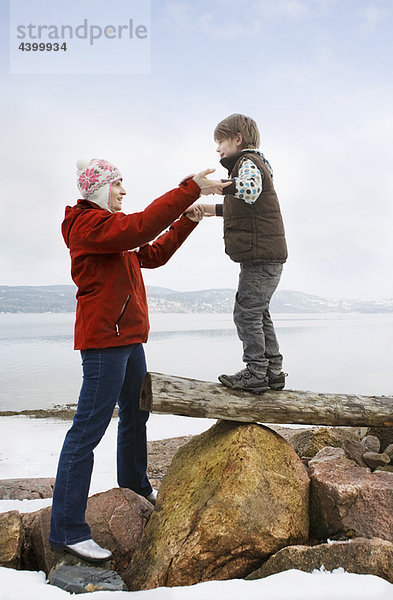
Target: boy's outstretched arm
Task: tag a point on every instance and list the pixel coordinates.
(210, 210)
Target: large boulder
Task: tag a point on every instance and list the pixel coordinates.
(26, 489)
(116, 518)
(362, 556)
(347, 498)
(11, 539)
(231, 496)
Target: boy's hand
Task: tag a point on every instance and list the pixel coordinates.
(209, 186)
(195, 212)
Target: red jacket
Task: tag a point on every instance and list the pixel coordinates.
(107, 251)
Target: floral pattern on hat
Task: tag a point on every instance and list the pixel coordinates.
(95, 175)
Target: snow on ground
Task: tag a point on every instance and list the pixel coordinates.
(30, 448)
(290, 585)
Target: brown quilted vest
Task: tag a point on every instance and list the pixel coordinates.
(253, 231)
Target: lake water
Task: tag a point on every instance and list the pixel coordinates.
(326, 353)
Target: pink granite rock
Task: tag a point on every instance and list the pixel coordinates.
(347, 498)
(363, 556)
(355, 451)
(116, 517)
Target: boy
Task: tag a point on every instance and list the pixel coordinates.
(254, 236)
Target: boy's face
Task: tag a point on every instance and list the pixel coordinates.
(229, 146)
(116, 197)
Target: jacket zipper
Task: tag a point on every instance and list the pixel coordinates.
(121, 314)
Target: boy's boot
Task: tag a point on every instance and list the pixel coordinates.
(245, 380)
(276, 381)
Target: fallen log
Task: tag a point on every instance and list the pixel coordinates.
(167, 394)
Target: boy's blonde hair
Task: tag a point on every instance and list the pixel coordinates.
(234, 124)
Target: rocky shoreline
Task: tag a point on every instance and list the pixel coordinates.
(64, 413)
(237, 501)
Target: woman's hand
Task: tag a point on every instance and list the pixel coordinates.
(209, 186)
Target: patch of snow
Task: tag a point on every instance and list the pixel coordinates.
(31, 448)
(24, 506)
(289, 585)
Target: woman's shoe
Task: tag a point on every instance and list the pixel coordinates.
(152, 497)
(87, 550)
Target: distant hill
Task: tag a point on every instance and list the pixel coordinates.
(37, 299)
(61, 298)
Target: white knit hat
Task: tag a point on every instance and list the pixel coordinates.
(95, 179)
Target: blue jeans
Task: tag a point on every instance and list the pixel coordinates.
(110, 376)
(257, 284)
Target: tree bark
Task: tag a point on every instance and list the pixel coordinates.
(167, 394)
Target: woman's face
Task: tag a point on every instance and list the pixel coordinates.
(116, 197)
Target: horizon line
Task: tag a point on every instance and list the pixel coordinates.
(342, 299)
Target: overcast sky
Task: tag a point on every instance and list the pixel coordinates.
(315, 74)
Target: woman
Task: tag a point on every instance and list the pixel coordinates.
(108, 249)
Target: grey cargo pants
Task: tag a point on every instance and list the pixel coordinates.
(257, 283)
